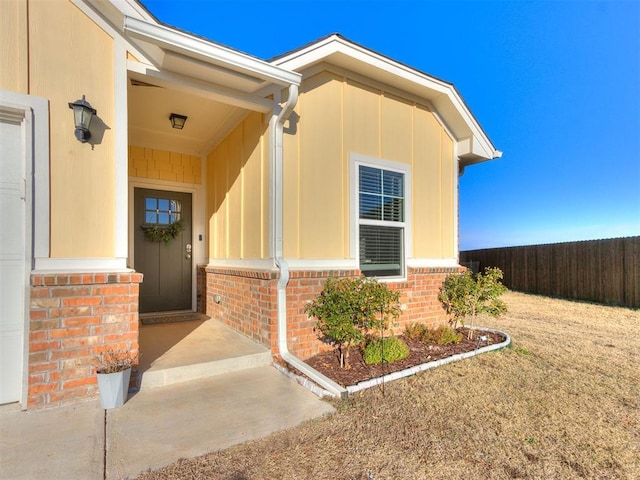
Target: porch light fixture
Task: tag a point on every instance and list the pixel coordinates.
(178, 121)
(83, 112)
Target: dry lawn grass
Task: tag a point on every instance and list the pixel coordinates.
(563, 402)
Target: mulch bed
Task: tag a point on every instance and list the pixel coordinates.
(358, 371)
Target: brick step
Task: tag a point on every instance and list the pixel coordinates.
(180, 352)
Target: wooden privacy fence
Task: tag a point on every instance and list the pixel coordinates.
(602, 271)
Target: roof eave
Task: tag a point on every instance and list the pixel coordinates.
(203, 50)
(473, 145)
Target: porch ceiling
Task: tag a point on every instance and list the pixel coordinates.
(150, 106)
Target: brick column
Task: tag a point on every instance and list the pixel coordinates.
(73, 318)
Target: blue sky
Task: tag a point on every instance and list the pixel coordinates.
(556, 86)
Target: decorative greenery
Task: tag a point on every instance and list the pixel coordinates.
(467, 295)
(416, 331)
(112, 361)
(348, 308)
(443, 335)
(162, 233)
(389, 349)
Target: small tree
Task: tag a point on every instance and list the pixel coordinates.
(347, 308)
(466, 295)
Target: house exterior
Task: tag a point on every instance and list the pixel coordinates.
(331, 160)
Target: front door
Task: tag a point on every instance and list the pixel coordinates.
(162, 249)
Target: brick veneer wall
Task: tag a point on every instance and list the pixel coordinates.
(74, 317)
(304, 286)
(245, 300)
(419, 296)
(201, 286)
(248, 302)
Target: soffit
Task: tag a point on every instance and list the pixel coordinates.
(149, 126)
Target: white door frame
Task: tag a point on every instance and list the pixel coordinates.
(32, 113)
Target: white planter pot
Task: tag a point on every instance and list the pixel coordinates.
(114, 388)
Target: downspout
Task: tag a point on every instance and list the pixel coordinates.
(276, 127)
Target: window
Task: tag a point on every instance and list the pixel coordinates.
(161, 211)
(381, 221)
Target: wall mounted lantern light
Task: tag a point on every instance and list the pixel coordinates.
(83, 112)
(178, 121)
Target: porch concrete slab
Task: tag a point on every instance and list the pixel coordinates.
(160, 426)
(156, 427)
(179, 352)
(66, 442)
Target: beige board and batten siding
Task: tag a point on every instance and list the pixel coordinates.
(338, 117)
(315, 178)
(14, 43)
(58, 53)
(238, 192)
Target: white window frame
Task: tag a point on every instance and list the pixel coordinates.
(356, 160)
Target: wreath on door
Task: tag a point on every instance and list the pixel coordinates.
(162, 233)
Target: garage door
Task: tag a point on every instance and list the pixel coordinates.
(13, 268)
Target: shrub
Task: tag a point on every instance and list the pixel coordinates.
(468, 294)
(112, 361)
(443, 335)
(416, 331)
(389, 349)
(347, 308)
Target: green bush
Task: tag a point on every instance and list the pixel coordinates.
(443, 335)
(349, 307)
(389, 349)
(466, 295)
(416, 331)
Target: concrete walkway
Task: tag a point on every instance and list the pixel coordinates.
(156, 426)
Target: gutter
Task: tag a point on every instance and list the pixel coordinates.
(276, 127)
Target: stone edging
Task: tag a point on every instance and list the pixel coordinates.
(429, 365)
(309, 385)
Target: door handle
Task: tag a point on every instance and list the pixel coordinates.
(187, 249)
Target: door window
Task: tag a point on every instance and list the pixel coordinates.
(161, 211)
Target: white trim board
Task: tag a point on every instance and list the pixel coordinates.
(433, 263)
(355, 160)
(80, 265)
(30, 115)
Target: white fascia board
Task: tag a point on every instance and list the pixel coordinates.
(322, 50)
(209, 52)
(470, 150)
(446, 100)
(102, 13)
(476, 143)
(131, 8)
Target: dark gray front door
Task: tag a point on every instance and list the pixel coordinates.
(162, 252)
